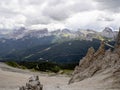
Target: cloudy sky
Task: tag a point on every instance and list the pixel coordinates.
(53, 14)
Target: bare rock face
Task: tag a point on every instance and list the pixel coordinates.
(117, 45)
(118, 39)
(85, 68)
(33, 84)
(96, 62)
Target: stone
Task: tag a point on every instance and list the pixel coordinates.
(32, 84)
(118, 40)
(117, 45)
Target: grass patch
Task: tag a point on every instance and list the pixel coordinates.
(12, 64)
(43, 66)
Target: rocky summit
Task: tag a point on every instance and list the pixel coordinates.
(102, 60)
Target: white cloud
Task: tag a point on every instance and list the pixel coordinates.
(50, 27)
(87, 20)
(94, 14)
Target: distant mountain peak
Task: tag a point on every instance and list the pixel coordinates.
(108, 29)
(108, 32)
(65, 30)
(86, 34)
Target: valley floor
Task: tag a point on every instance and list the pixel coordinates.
(12, 79)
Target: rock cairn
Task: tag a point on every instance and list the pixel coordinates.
(33, 84)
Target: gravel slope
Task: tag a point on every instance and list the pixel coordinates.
(12, 78)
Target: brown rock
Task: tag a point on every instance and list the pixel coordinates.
(101, 50)
(118, 40)
(117, 45)
(99, 61)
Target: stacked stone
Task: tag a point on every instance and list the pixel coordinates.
(33, 84)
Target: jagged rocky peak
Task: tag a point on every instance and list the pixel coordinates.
(65, 30)
(108, 32)
(90, 52)
(95, 63)
(85, 61)
(84, 69)
(118, 39)
(101, 49)
(108, 29)
(117, 45)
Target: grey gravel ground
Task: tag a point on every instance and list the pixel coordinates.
(12, 79)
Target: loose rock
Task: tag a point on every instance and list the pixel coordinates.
(32, 84)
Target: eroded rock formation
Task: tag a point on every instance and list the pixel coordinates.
(33, 84)
(96, 62)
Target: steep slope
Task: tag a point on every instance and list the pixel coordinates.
(7, 46)
(95, 63)
(66, 52)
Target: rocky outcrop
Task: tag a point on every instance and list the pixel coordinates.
(96, 62)
(33, 84)
(117, 45)
(87, 66)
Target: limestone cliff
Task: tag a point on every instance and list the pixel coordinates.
(96, 62)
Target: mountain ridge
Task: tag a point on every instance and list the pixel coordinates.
(80, 33)
(97, 62)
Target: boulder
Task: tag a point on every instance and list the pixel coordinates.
(32, 84)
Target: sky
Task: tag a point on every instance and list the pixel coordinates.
(54, 14)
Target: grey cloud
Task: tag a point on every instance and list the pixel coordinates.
(33, 12)
(62, 10)
(55, 2)
(38, 20)
(56, 13)
(108, 19)
(54, 10)
(110, 5)
(82, 6)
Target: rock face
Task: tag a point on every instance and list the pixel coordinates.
(108, 32)
(117, 45)
(96, 62)
(33, 84)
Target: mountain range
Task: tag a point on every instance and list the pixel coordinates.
(58, 46)
(87, 34)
